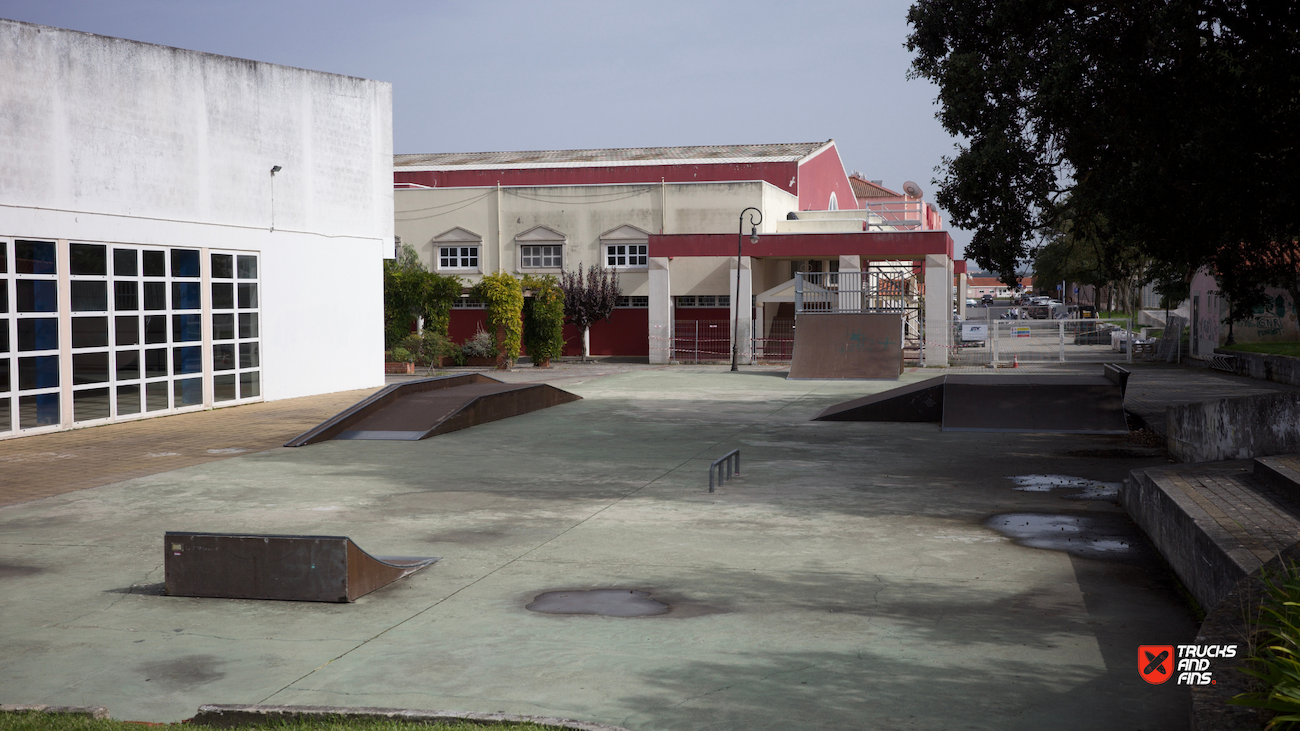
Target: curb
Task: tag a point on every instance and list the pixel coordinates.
(231, 716)
(95, 712)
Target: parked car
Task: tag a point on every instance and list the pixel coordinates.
(987, 299)
(970, 303)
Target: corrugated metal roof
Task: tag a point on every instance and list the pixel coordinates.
(867, 189)
(781, 152)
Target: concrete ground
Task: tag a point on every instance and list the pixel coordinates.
(846, 580)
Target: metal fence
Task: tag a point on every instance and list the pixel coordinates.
(695, 341)
(1004, 342)
(777, 342)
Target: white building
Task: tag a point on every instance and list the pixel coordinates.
(180, 230)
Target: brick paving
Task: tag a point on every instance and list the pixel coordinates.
(52, 464)
(1260, 518)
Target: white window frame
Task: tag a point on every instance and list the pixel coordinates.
(461, 252)
(627, 252)
(557, 254)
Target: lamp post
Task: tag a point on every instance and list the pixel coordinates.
(740, 239)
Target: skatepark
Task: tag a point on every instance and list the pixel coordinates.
(851, 575)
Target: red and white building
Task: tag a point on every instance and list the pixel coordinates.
(667, 219)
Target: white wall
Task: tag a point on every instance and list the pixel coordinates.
(109, 140)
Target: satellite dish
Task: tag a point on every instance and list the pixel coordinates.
(912, 189)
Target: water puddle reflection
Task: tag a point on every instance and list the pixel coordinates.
(1083, 488)
(1078, 535)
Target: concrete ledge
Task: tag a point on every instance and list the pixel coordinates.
(1235, 428)
(231, 716)
(1276, 368)
(96, 712)
(1207, 558)
(1281, 474)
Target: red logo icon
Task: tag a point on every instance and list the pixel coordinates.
(1156, 663)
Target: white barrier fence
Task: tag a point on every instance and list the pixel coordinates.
(1005, 342)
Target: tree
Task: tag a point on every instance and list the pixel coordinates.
(589, 299)
(1176, 121)
(411, 293)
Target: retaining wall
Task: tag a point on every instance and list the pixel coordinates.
(1277, 368)
(1234, 428)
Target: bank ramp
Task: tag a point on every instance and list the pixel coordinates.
(296, 568)
(431, 406)
(1070, 404)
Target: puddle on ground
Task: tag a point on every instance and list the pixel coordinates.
(1078, 535)
(605, 602)
(1085, 489)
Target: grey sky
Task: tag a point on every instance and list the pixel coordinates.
(521, 74)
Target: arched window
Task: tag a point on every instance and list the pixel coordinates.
(834, 205)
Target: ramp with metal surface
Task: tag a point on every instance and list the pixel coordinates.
(1071, 404)
(921, 401)
(432, 406)
(847, 345)
(297, 568)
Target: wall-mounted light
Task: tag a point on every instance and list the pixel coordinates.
(274, 169)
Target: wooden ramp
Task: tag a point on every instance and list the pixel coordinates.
(432, 406)
(296, 568)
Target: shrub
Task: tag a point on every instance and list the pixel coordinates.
(400, 355)
(1276, 659)
(482, 345)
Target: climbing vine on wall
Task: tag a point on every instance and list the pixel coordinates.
(504, 297)
(543, 318)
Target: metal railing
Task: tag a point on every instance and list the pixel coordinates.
(898, 214)
(1008, 342)
(725, 461)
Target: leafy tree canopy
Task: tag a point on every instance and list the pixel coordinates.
(1177, 122)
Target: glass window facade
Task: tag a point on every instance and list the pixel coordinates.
(139, 331)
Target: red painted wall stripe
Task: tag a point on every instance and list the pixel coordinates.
(868, 245)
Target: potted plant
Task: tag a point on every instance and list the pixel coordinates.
(480, 350)
(399, 360)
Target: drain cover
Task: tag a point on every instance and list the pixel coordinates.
(605, 602)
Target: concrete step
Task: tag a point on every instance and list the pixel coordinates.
(1214, 522)
(1282, 473)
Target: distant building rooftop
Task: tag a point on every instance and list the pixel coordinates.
(695, 155)
(863, 188)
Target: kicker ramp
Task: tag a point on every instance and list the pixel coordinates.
(1000, 403)
(297, 568)
(432, 406)
(845, 345)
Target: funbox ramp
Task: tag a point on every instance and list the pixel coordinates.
(431, 406)
(847, 345)
(298, 568)
(1072, 404)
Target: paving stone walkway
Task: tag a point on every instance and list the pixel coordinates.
(52, 464)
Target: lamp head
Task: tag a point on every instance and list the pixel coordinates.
(275, 169)
(753, 234)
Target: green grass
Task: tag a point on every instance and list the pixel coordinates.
(68, 722)
(1291, 349)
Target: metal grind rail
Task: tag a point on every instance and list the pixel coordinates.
(724, 462)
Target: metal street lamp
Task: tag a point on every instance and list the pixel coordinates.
(740, 239)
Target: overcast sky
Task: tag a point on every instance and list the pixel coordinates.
(535, 74)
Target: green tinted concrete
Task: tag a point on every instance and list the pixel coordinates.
(845, 581)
